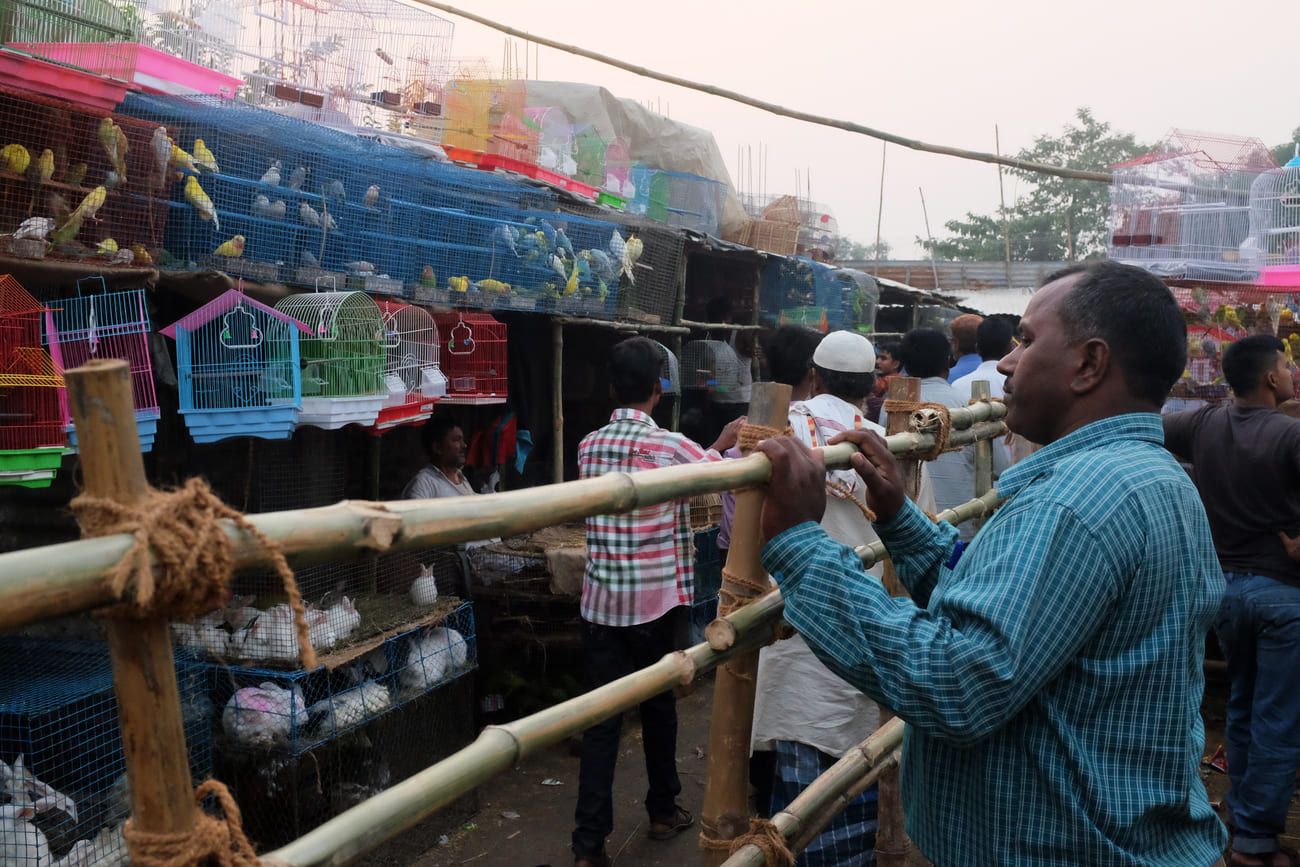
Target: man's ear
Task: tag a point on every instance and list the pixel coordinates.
(1092, 363)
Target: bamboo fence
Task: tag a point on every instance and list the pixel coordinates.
(65, 579)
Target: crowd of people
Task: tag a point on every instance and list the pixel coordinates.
(1049, 666)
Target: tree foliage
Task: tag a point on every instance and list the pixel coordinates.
(1060, 218)
(847, 249)
(1283, 153)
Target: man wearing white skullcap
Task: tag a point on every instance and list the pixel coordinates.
(807, 715)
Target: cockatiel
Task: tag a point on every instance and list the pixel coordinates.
(43, 169)
(16, 158)
(372, 196)
(204, 157)
(631, 253)
(113, 141)
(89, 206)
(232, 249)
(195, 195)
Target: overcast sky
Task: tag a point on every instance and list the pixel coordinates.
(942, 71)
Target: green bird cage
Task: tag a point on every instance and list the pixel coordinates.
(343, 359)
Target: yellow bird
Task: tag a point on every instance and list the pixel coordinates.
(232, 249)
(89, 206)
(493, 287)
(43, 169)
(458, 284)
(182, 161)
(113, 141)
(16, 158)
(106, 247)
(571, 286)
(205, 158)
(76, 174)
(141, 254)
(195, 195)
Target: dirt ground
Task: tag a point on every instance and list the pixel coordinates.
(522, 823)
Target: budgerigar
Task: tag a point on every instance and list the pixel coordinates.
(182, 161)
(16, 158)
(113, 141)
(557, 265)
(76, 174)
(571, 285)
(205, 158)
(89, 206)
(631, 254)
(106, 247)
(141, 255)
(272, 175)
(232, 249)
(562, 242)
(34, 229)
(504, 236)
(195, 195)
(160, 146)
(601, 264)
(372, 196)
(43, 169)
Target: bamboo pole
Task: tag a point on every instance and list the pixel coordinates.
(725, 814)
(983, 448)
(499, 748)
(809, 813)
(773, 108)
(626, 327)
(144, 673)
(557, 402)
(71, 577)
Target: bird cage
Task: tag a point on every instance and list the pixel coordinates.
(705, 511)
(102, 324)
(589, 154)
(1275, 217)
(555, 146)
(670, 376)
(89, 35)
(238, 366)
(342, 360)
(1184, 209)
(618, 170)
(711, 365)
(412, 378)
(475, 358)
(678, 199)
(33, 402)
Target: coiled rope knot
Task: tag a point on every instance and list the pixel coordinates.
(219, 840)
(925, 418)
(180, 560)
(750, 435)
(767, 838)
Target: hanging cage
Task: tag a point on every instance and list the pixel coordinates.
(238, 369)
(1275, 217)
(712, 365)
(670, 376)
(412, 377)
(102, 324)
(475, 358)
(343, 359)
(33, 402)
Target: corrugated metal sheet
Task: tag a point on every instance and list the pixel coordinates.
(990, 301)
(958, 277)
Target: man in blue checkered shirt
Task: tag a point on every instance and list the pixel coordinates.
(1051, 673)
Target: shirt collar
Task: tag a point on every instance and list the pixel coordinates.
(1141, 426)
(625, 414)
(934, 380)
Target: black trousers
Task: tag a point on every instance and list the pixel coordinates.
(612, 652)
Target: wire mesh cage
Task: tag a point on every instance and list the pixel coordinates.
(801, 291)
(91, 35)
(670, 374)
(343, 359)
(102, 324)
(711, 365)
(1275, 217)
(238, 366)
(412, 378)
(76, 185)
(678, 199)
(1184, 209)
(475, 360)
(200, 32)
(708, 579)
(818, 229)
(549, 562)
(33, 402)
(487, 115)
(61, 750)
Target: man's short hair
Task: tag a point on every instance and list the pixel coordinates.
(435, 430)
(993, 338)
(1246, 361)
(634, 368)
(1138, 318)
(893, 347)
(925, 353)
(789, 351)
(963, 332)
(851, 387)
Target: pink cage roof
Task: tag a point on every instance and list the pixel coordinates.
(223, 304)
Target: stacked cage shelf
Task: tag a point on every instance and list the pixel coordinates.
(33, 401)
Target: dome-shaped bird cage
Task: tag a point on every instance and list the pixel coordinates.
(1275, 217)
(343, 359)
(711, 365)
(412, 378)
(670, 376)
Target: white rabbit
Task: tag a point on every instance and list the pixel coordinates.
(21, 842)
(425, 589)
(106, 849)
(263, 715)
(454, 645)
(426, 662)
(344, 618)
(25, 790)
(351, 706)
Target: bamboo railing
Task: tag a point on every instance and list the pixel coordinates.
(64, 579)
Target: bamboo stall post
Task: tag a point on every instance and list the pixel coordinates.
(726, 794)
(144, 673)
(557, 402)
(892, 844)
(983, 450)
(679, 310)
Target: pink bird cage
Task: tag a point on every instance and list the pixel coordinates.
(33, 401)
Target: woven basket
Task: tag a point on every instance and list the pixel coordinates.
(706, 511)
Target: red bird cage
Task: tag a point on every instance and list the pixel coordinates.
(33, 402)
(475, 358)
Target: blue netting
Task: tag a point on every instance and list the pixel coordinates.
(59, 713)
(708, 581)
(290, 712)
(796, 290)
(678, 199)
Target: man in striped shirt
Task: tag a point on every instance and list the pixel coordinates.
(1050, 675)
(637, 589)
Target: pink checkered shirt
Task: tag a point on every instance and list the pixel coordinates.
(640, 565)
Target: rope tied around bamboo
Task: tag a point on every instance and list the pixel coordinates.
(180, 531)
(212, 839)
(762, 835)
(927, 417)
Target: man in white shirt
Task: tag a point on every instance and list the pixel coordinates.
(444, 443)
(994, 340)
(803, 712)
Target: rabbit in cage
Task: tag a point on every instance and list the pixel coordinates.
(426, 662)
(263, 715)
(425, 589)
(349, 707)
(21, 842)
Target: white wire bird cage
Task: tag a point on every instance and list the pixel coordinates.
(1275, 216)
(412, 377)
(203, 32)
(711, 365)
(1183, 210)
(670, 376)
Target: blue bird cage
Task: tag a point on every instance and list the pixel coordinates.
(238, 368)
(343, 358)
(102, 324)
(678, 199)
(796, 290)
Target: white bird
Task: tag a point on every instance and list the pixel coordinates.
(426, 662)
(372, 196)
(557, 265)
(263, 715)
(297, 177)
(350, 707)
(617, 246)
(34, 229)
(261, 206)
(424, 590)
(272, 175)
(277, 210)
(309, 215)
